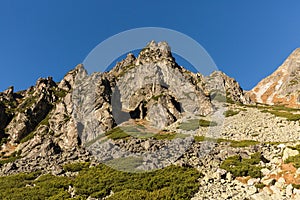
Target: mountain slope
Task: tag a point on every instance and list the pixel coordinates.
(52, 121)
(147, 113)
(282, 87)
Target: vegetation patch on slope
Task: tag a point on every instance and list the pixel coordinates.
(295, 160)
(194, 124)
(239, 166)
(229, 113)
(284, 114)
(100, 181)
(233, 143)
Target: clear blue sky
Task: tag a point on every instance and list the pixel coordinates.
(247, 39)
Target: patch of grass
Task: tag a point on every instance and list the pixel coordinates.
(45, 121)
(13, 186)
(283, 108)
(116, 133)
(205, 123)
(273, 143)
(257, 105)
(297, 147)
(28, 102)
(284, 114)
(199, 138)
(189, 125)
(27, 137)
(125, 132)
(229, 100)
(243, 143)
(229, 113)
(59, 92)
(194, 124)
(169, 136)
(243, 167)
(233, 143)
(99, 137)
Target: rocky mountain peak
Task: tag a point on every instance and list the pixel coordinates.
(156, 52)
(45, 83)
(50, 119)
(70, 78)
(9, 91)
(282, 87)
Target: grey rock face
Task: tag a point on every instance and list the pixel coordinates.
(33, 109)
(92, 108)
(3, 117)
(219, 81)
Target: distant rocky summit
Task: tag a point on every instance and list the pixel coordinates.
(282, 86)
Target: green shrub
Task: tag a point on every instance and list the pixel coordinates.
(76, 166)
(130, 194)
(169, 183)
(243, 167)
(176, 182)
(260, 185)
(295, 160)
(296, 186)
